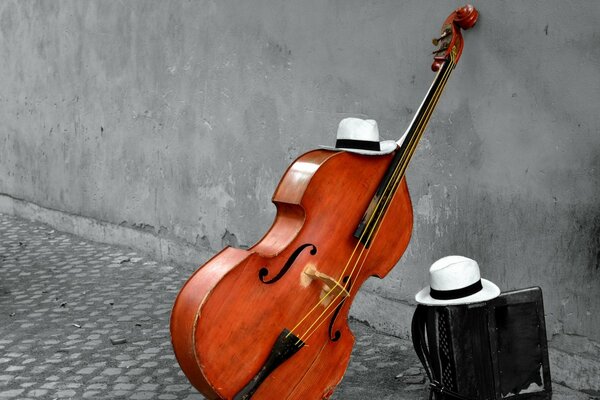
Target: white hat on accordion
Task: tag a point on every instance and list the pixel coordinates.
(456, 280)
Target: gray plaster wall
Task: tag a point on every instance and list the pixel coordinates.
(176, 119)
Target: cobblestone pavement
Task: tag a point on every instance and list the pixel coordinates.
(67, 303)
(82, 320)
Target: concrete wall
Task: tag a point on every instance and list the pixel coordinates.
(176, 119)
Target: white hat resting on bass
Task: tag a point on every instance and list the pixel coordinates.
(456, 280)
(361, 136)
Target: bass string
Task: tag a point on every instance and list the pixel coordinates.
(324, 297)
(399, 173)
(404, 163)
(406, 158)
(386, 197)
(396, 175)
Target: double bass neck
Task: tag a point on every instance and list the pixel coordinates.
(450, 46)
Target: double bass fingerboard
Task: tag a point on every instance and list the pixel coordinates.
(367, 228)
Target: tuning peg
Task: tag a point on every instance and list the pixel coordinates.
(446, 32)
(440, 50)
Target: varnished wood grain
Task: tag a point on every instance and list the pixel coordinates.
(225, 320)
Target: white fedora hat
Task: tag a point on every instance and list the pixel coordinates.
(456, 280)
(361, 136)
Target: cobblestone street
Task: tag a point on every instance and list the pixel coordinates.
(82, 320)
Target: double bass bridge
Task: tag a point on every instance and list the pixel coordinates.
(332, 288)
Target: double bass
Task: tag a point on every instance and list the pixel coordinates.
(270, 322)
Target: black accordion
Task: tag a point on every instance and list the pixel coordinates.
(491, 350)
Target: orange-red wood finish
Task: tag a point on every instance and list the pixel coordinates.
(225, 319)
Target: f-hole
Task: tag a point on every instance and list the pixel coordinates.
(264, 271)
(334, 337)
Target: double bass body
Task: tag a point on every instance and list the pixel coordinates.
(228, 314)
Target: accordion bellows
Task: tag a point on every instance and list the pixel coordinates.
(492, 350)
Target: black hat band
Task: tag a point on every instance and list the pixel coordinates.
(357, 144)
(456, 293)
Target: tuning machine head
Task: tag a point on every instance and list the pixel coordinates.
(446, 32)
(450, 41)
